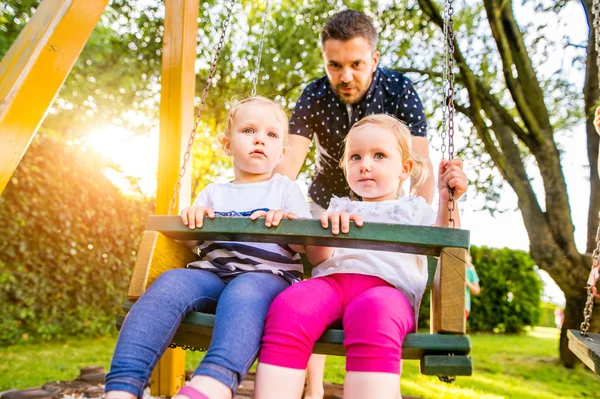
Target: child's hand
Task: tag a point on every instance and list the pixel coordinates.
(338, 218)
(193, 216)
(273, 216)
(597, 120)
(451, 174)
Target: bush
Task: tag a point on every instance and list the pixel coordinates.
(67, 246)
(510, 295)
(511, 291)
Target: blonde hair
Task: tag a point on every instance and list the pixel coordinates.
(420, 171)
(237, 104)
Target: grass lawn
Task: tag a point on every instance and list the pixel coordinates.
(506, 366)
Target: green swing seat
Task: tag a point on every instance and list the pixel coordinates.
(443, 352)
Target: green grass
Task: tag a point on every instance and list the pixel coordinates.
(506, 366)
(31, 365)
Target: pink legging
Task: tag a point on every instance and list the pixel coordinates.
(375, 315)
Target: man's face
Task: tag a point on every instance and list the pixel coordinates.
(350, 65)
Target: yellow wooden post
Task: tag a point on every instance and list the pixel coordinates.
(176, 120)
(34, 69)
(448, 293)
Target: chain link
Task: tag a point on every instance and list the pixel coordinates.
(596, 13)
(187, 347)
(197, 120)
(445, 83)
(449, 65)
(591, 284)
(258, 55)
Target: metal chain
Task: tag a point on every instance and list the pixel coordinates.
(197, 120)
(596, 13)
(447, 379)
(591, 284)
(449, 23)
(187, 347)
(445, 83)
(258, 55)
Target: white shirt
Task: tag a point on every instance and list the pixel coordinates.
(407, 272)
(232, 258)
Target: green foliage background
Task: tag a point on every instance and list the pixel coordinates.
(68, 244)
(510, 292)
(58, 203)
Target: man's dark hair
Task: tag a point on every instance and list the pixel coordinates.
(348, 24)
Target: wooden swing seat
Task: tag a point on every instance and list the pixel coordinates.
(587, 348)
(443, 352)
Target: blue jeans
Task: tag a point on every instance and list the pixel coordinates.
(241, 302)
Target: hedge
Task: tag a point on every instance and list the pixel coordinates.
(510, 292)
(67, 244)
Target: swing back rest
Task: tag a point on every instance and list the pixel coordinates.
(443, 352)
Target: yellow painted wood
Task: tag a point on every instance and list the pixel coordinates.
(157, 254)
(34, 69)
(169, 374)
(448, 293)
(178, 80)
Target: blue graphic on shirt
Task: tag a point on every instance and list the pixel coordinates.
(240, 214)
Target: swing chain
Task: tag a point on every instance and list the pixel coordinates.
(591, 285)
(258, 55)
(188, 151)
(596, 13)
(445, 82)
(187, 347)
(449, 66)
(447, 379)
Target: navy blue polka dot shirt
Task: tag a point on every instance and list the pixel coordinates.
(320, 112)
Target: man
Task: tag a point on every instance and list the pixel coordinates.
(354, 87)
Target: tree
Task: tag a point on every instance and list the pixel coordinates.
(512, 120)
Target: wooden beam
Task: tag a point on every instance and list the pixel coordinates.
(156, 254)
(168, 375)
(34, 69)
(379, 236)
(587, 348)
(178, 83)
(197, 328)
(448, 293)
(448, 366)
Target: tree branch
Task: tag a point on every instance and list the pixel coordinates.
(591, 93)
(488, 97)
(559, 226)
(522, 101)
(528, 96)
